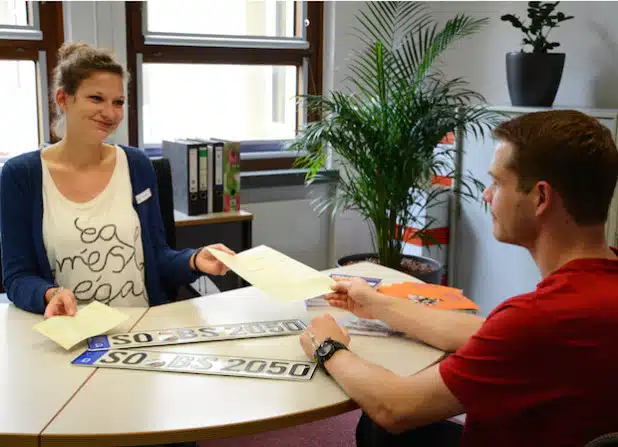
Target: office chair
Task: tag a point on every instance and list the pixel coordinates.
(163, 173)
(166, 198)
(607, 440)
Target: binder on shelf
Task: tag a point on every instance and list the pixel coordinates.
(203, 178)
(218, 180)
(231, 178)
(205, 174)
(183, 156)
(216, 167)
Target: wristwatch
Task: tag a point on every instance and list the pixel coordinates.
(326, 350)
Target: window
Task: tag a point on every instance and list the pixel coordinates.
(30, 35)
(14, 13)
(218, 100)
(225, 69)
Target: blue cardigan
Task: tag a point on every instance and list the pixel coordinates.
(25, 267)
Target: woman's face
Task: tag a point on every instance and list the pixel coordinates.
(96, 109)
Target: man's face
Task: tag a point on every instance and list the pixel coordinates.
(512, 211)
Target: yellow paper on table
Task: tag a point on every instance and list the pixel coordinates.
(276, 274)
(94, 319)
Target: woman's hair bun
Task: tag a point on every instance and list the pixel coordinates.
(67, 49)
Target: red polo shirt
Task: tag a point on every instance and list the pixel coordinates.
(543, 368)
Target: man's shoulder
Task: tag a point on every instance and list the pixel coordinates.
(526, 302)
(554, 302)
(545, 296)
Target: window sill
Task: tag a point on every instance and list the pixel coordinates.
(284, 177)
(267, 161)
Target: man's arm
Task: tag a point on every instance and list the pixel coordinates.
(444, 329)
(393, 402)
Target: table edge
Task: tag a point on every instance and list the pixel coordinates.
(20, 439)
(201, 434)
(191, 221)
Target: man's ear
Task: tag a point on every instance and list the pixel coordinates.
(544, 197)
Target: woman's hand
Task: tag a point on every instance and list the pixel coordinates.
(60, 302)
(205, 262)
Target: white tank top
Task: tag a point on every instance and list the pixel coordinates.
(95, 248)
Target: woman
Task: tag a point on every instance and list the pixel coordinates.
(80, 219)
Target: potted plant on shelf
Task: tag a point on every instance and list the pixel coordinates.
(386, 129)
(534, 77)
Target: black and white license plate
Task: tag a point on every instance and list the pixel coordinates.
(198, 364)
(145, 339)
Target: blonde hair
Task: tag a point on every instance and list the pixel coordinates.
(76, 62)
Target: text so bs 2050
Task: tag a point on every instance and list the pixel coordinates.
(177, 336)
(198, 364)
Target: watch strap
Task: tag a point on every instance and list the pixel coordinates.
(321, 359)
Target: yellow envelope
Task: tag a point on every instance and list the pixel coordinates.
(94, 319)
(276, 274)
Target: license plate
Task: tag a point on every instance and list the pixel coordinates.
(257, 367)
(161, 337)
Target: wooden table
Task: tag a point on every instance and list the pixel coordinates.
(110, 407)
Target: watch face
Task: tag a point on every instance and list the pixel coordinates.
(325, 348)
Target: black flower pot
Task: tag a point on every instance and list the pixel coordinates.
(534, 78)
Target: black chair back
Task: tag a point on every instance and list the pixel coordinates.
(163, 172)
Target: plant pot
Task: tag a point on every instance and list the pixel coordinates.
(533, 78)
(432, 272)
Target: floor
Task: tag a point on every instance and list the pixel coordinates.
(337, 431)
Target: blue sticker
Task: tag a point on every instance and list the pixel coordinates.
(98, 342)
(88, 357)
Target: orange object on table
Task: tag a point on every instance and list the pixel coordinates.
(432, 295)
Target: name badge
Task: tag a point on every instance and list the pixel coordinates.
(143, 196)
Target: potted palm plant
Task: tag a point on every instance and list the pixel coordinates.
(386, 126)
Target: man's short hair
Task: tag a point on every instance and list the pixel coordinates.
(571, 151)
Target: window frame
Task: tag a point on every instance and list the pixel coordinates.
(140, 51)
(41, 48)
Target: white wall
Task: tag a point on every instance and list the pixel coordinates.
(590, 41)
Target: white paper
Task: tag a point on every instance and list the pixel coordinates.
(93, 319)
(276, 274)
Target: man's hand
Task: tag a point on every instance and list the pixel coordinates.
(205, 262)
(63, 302)
(356, 296)
(319, 330)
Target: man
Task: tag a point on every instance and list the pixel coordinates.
(541, 370)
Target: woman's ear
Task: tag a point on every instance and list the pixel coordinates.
(62, 99)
